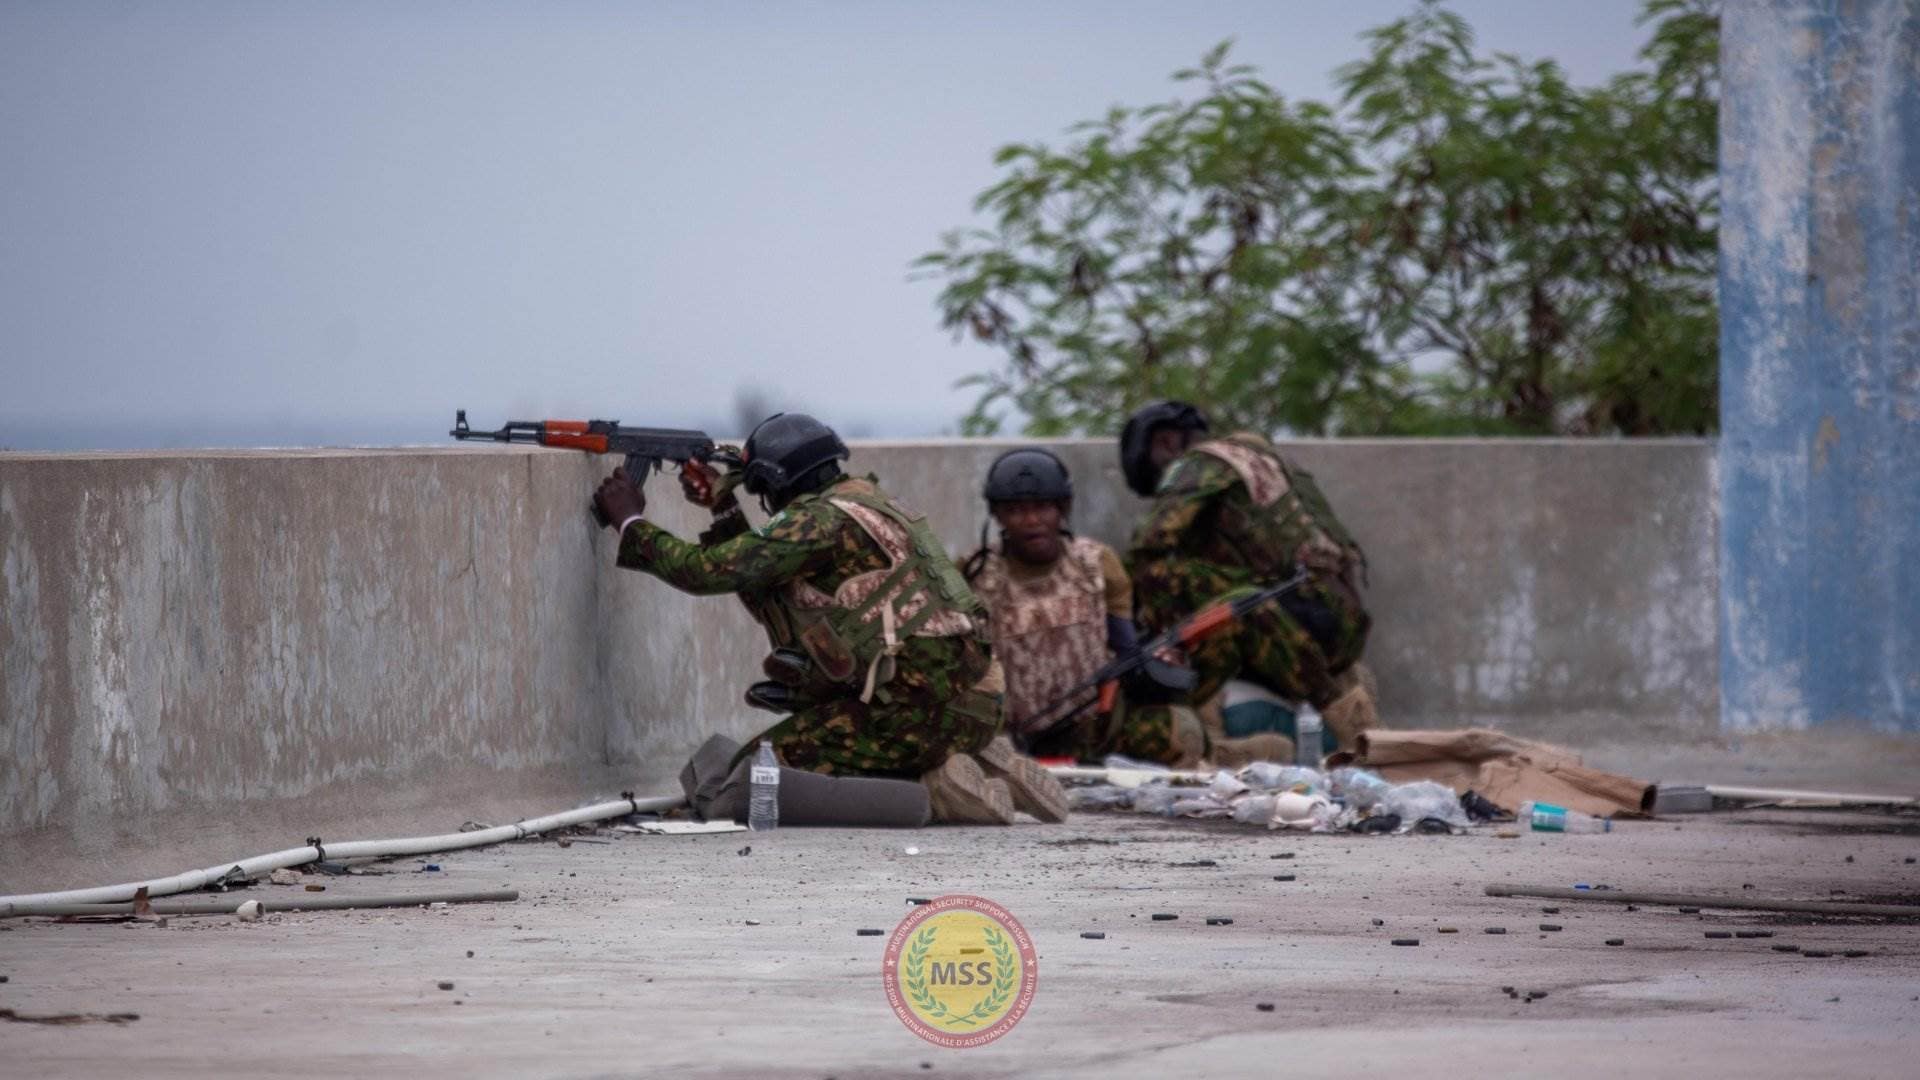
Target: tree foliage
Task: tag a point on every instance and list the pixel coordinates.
(1465, 243)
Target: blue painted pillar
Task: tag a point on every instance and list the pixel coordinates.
(1820, 364)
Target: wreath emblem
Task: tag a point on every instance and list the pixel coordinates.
(914, 978)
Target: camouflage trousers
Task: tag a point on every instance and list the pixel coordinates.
(1297, 646)
(927, 711)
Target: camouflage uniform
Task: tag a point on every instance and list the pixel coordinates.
(842, 557)
(1050, 632)
(1231, 515)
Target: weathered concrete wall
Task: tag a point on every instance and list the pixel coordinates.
(1820, 363)
(255, 634)
(1565, 588)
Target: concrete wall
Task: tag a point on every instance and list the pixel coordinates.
(1820, 363)
(263, 634)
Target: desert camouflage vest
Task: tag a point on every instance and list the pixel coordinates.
(854, 634)
(1049, 630)
(1292, 524)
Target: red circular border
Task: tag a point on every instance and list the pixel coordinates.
(1029, 970)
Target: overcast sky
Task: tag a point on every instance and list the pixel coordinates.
(332, 223)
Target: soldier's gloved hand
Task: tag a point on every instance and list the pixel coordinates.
(1158, 682)
(618, 498)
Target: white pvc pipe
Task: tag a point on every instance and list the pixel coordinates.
(1784, 795)
(351, 849)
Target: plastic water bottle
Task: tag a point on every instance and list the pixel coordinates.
(1306, 737)
(1546, 817)
(763, 790)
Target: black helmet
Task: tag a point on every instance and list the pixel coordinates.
(1136, 440)
(784, 453)
(1028, 473)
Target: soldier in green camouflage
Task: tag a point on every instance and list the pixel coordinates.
(879, 647)
(1229, 515)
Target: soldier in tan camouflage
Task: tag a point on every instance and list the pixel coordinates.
(879, 646)
(1061, 606)
(1232, 514)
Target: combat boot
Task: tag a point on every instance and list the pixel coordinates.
(1352, 709)
(961, 794)
(1263, 746)
(1034, 788)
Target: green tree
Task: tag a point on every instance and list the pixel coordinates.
(1465, 243)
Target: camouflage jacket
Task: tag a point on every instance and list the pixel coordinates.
(830, 573)
(1050, 624)
(1236, 504)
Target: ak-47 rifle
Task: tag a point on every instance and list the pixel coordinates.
(1186, 633)
(645, 448)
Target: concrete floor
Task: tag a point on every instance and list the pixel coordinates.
(632, 958)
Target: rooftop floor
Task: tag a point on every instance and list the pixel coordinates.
(631, 956)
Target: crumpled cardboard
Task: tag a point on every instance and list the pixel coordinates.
(1504, 770)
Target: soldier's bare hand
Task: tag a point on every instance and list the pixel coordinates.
(698, 481)
(619, 498)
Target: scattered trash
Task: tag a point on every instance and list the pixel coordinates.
(248, 912)
(1818, 954)
(865, 932)
(445, 984)
(1424, 799)
(1852, 954)
(284, 876)
(1406, 941)
(1289, 855)
(1616, 941)
(430, 868)
(469, 954)
(911, 850)
(1263, 1006)
(316, 888)
(1551, 928)
(1689, 911)
(1719, 933)
(1478, 809)
(1448, 930)
(753, 922)
(1549, 911)
(1786, 948)
(1284, 877)
(916, 901)
(1496, 930)
(1546, 817)
(748, 850)
(1219, 920)
(1195, 864)
(1093, 935)
(688, 828)
(1379, 922)
(1378, 823)
(1752, 933)
(1163, 916)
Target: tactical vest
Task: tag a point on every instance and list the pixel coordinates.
(1049, 630)
(1293, 524)
(854, 634)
